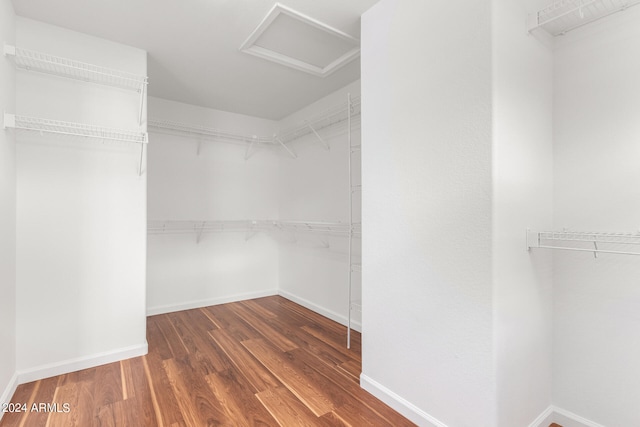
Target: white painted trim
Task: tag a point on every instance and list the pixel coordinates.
(544, 419)
(7, 394)
(72, 365)
(320, 310)
(553, 414)
(404, 407)
(249, 46)
(152, 311)
(569, 419)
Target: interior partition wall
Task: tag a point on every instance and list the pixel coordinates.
(499, 208)
(81, 201)
(8, 378)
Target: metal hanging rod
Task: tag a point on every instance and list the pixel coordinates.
(578, 241)
(563, 16)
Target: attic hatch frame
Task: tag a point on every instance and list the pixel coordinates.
(278, 9)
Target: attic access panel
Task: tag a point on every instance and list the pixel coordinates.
(290, 38)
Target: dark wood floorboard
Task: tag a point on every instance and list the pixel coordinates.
(263, 362)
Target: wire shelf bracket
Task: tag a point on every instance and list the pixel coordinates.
(287, 149)
(608, 243)
(562, 16)
(324, 143)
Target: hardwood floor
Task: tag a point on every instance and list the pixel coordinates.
(263, 362)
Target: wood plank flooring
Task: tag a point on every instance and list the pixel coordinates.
(263, 362)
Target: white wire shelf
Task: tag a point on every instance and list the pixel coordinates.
(212, 134)
(179, 227)
(313, 227)
(206, 132)
(562, 16)
(199, 226)
(70, 68)
(72, 129)
(610, 243)
(331, 117)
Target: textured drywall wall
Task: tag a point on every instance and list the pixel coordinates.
(81, 210)
(314, 268)
(211, 183)
(7, 213)
(596, 152)
(426, 172)
(522, 198)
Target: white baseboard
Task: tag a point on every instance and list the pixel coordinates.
(152, 311)
(72, 365)
(7, 394)
(544, 419)
(404, 407)
(320, 310)
(569, 419)
(553, 414)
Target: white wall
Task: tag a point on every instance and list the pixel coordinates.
(81, 227)
(596, 152)
(7, 215)
(314, 269)
(427, 226)
(522, 198)
(216, 184)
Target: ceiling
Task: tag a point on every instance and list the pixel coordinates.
(193, 47)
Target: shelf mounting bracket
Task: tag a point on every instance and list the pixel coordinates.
(291, 153)
(199, 231)
(248, 153)
(322, 141)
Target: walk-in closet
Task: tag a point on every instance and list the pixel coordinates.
(371, 212)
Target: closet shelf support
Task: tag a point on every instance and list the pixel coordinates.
(322, 141)
(291, 153)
